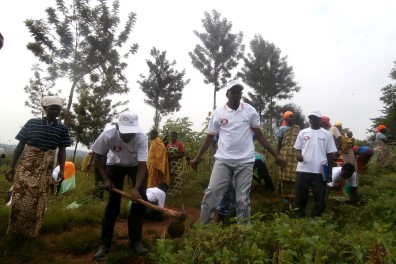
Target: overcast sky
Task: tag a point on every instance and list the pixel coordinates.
(342, 53)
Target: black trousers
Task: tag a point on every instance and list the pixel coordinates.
(262, 173)
(306, 180)
(98, 191)
(135, 218)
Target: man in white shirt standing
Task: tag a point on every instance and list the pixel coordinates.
(236, 124)
(127, 148)
(314, 148)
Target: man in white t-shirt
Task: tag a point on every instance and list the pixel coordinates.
(314, 147)
(156, 196)
(127, 148)
(345, 177)
(236, 123)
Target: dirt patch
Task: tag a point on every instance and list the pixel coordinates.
(156, 230)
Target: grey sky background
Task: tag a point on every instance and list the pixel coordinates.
(342, 53)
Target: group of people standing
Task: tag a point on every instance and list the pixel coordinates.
(306, 158)
(323, 144)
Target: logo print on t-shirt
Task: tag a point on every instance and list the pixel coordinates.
(117, 148)
(306, 138)
(224, 121)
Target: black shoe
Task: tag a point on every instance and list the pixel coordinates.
(139, 248)
(102, 252)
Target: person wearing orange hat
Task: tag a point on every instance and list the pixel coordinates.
(384, 157)
(287, 135)
(363, 155)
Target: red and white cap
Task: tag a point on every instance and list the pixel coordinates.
(128, 123)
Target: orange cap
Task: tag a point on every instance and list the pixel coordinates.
(380, 127)
(287, 114)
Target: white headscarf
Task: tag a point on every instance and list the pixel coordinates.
(51, 100)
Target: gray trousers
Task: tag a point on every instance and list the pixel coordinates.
(240, 176)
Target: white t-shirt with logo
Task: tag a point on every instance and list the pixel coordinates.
(121, 153)
(314, 145)
(338, 180)
(235, 133)
(156, 195)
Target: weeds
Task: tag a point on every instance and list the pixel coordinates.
(344, 234)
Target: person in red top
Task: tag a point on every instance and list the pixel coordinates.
(176, 152)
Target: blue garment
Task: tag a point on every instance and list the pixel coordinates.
(38, 133)
(281, 131)
(364, 150)
(259, 156)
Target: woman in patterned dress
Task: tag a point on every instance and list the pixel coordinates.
(287, 135)
(157, 162)
(176, 152)
(38, 140)
(384, 157)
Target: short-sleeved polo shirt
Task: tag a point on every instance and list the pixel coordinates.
(121, 153)
(234, 127)
(37, 132)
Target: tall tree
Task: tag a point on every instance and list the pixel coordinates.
(39, 86)
(389, 111)
(220, 52)
(270, 77)
(298, 115)
(92, 113)
(82, 42)
(163, 86)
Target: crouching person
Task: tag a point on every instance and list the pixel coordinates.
(345, 180)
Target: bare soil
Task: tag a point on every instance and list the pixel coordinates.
(155, 230)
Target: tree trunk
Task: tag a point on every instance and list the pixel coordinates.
(156, 119)
(214, 98)
(69, 103)
(75, 151)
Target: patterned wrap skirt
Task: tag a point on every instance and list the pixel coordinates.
(31, 189)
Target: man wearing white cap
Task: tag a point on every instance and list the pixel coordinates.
(127, 148)
(314, 148)
(235, 123)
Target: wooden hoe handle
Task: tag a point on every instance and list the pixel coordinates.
(181, 216)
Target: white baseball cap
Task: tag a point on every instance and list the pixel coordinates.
(315, 113)
(128, 123)
(235, 84)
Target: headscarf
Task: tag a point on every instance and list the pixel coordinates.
(355, 148)
(286, 115)
(326, 120)
(380, 128)
(338, 123)
(51, 100)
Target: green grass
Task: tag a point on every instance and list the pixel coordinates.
(344, 234)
